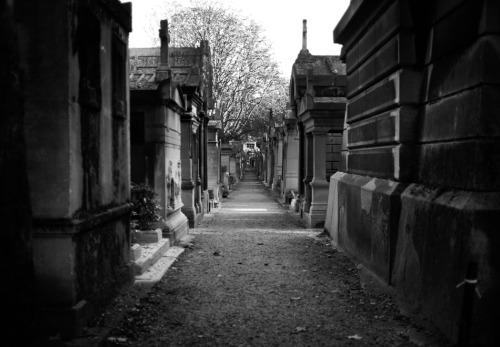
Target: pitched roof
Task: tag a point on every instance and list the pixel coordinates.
(143, 65)
(317, 64)
(185, 63)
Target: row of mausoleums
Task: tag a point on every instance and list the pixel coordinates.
(401, 166)
(84, 118)
(299, 157)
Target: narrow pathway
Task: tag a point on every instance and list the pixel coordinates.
(253, 276)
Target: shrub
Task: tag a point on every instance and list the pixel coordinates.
(146, 207)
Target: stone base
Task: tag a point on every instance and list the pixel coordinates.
(176, 227)
(440, 233)
(70, 321)
(420, 240)
(135, 252)
(332, 211)
(191, 214)
(148, 236)
(72, 257)
(155, 253)
(368, 214)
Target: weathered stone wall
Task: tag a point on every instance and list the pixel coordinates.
(419, 196)
(75, 68)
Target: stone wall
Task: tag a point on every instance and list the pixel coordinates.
(418, 201)
(74, 60)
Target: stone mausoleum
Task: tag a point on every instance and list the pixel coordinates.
(317, 102)
(417, 197)
(157, 103)
(70, 102)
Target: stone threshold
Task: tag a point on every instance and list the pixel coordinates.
(150, 254)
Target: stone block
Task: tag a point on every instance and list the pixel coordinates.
(399, 51)
(135, 252)
(468, 165)
(439, 232)
(472, 113)
(396, 126)
(149, 259)
(368, 213)
(400, 88)
(393, 162)
(477, 64)
(332, 212)
(385, 26)
(455, 30)
(148, 236)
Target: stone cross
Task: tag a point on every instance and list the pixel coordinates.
(163, 71)
(165, 41)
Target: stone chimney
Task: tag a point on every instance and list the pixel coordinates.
(163, 71)
(304, 35)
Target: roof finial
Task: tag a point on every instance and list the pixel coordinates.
(304, 34)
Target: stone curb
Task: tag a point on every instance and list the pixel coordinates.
(158, 269)
(145, 262)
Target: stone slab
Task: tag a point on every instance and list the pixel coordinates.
(450, 32)
(394, 162)
(469, 164)
(148, 236)
(148, 259)
(160, 267)
(368, 213)
(332, 212)
(386, 25)
(400, 88)
(395, 126)
(468, 68)
(398, 51)
(473, 113)
(135, 252)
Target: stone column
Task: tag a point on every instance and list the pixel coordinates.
(302, 161)
(279, 162)
(291, 167)
(213, 162)
(309, 157)
(188, 183)
(319, 185)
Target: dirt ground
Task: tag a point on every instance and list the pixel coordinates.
(254, 276)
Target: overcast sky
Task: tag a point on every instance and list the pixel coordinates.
(281, 20)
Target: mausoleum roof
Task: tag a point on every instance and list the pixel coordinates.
(143, 65)
(317, 65)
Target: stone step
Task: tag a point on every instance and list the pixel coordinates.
(150, 253)
(155, 272)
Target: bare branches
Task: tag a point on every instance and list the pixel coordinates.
(246, 80)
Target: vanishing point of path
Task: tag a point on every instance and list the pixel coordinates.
(254, 276)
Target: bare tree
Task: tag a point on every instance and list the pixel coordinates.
(246, 79)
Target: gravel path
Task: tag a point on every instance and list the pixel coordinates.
(253, 276)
